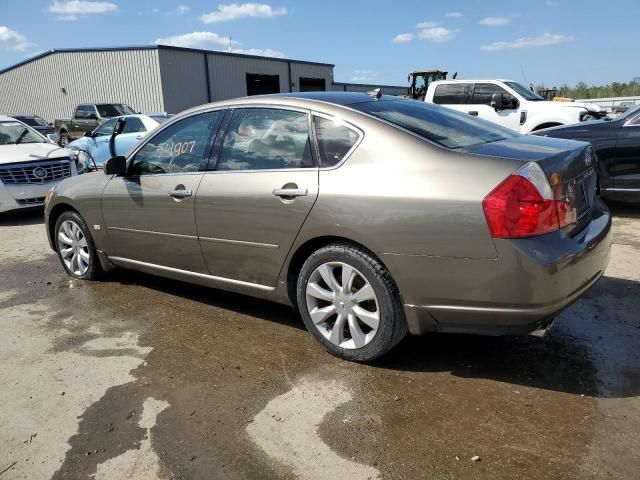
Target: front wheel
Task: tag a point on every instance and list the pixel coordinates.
(75, 247)
(349, 303)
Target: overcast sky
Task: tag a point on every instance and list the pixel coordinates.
(549, 42)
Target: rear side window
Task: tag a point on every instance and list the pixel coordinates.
(266, 139)
(450, 94)
(334, 140)
(133, 125)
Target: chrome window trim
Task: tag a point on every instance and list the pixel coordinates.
(349, 125)
(192, 274)
(224, 172)
(622, 189)
(629, 123)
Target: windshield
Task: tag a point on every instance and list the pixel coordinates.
(441, 125)
(114, 109)
(33, 121)
(525, 92)
(12, 133)
(630, 112)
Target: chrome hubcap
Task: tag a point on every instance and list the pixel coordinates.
(73, 247)
(342, 305)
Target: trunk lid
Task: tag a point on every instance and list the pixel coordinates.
(570, 168)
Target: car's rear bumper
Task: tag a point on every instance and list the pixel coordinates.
(529, 282)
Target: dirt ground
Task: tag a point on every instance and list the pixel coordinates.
(146, 378)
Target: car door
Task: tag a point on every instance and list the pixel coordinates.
(98, 143)
(133, 131)
(626, 168)
(250, 208)
(480, 105)
(85, 120)
(149, 212)
(452, 95)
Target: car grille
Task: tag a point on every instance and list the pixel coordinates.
(30, 201)
(35, 172)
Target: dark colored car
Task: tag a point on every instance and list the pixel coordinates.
(39, 124)
(617, 147)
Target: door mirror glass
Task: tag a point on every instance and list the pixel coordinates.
(92, 116)
(116, 166)
(496, 101)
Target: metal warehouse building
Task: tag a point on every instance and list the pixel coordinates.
(154, 79)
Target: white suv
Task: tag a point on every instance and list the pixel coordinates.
(509, 104)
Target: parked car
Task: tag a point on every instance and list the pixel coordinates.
(373, 215)
(617, 146)
(509, 104)
(40, 125)
(86, 117)
(29, 165)
(106, 141)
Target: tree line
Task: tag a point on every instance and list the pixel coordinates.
(614, 89)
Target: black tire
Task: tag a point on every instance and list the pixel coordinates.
(64, 140)
(392, 325)
(93, 270)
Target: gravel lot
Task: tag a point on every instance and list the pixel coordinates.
(146, 378)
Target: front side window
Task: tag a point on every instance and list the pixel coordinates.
(483, 94)
(441, 125)
(81, 111)
(14, 133)
(178, 148)
(133, 125)
(266, 139)
(450, 94)
(105, 128)
(335, 140)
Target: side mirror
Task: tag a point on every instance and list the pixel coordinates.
(496, 101)
(116, 166)
(92, 116)
(88, 133)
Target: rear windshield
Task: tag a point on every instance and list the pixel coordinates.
(33, 121)
(114, 110)
(444, 126)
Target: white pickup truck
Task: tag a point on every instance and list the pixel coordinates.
(509, 104)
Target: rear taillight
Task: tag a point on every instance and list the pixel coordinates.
(523, 205)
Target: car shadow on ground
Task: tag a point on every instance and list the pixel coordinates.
(31, 216)
(565, 360)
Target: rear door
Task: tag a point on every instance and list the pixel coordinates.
(452, 95)
(250, 208)
(150, 212)
(626, 166)
(480, 105)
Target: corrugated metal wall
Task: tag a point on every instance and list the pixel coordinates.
(184, 79)
(128, 76)
(228, 74)
(306, 70)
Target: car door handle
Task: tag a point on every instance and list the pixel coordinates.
(473, 113)
(290, 192)
(180, 193)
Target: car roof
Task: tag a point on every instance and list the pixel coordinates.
(337, 98)
(4, 118)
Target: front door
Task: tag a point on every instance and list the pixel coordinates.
(149, 213)
(480, 105)
(251, 208)
(626, 166)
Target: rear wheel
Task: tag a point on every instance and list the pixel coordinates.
(75, 247)
(350, 304)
